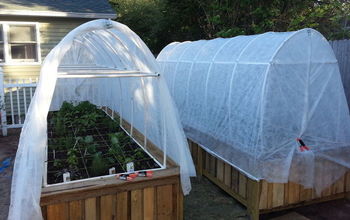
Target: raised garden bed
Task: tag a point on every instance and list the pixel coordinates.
(262, 197)
(86, 142)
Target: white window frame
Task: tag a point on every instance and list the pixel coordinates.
(7, 56)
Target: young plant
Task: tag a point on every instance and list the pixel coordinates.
(99, 165)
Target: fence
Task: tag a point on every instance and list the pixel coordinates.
(341, 50)
(15, 97)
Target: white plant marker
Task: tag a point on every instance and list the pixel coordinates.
(130, 167)
(111, 171)
(66, 177)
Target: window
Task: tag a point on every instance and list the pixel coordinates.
(19, 43)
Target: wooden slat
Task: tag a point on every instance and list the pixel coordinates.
(109, 185)
(293, 192)
(278, 194)
(212, 165)
(242, 185)
(234, 180)
(227, 175)
(200, 161)
(347, 185)
(136, 205)
(122, 206)
(263, 195)
(220, 170)
(164, 202)
(58, 211)
(207, 162)
(327, 192)
(148, 203)
(179, 201)
(194, 154)
(90, 209)
(338, 186)
(347, 182)
(253, 192)
(269, 195)
(305, 193)
(272, 196)
(286, 196)
(107, 207)
(44, 212)
(76, 210)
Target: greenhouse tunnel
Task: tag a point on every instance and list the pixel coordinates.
(247, 99)
(107, 64)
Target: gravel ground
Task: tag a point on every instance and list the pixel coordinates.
(208, 202)
(8, 147)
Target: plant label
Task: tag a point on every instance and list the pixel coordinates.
(130, 167)
(111, 171)
(66, 177)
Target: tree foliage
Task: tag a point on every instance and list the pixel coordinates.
(160, 22)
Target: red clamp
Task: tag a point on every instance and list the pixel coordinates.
(302, 146)
(148, 173)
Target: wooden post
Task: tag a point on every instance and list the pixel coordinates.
(253, 198)
(2, 104)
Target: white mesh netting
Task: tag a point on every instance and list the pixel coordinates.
(246, 99)
(145, 102)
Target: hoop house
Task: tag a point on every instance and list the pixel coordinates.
(107, 64)
(247, 99)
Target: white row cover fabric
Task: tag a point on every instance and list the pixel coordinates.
(246, 99)
(143, 101)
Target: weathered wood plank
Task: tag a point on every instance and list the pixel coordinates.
(123, 209)
(220, 170)
(58, 211)
(90, 209)
(212, 165)
(263, 195)
(136, 205)
(107, 207)
(235, 180)
(76, 210)
(253, 193)
(293, 193)
(278, 194)
(200, 161)
(179, 202)
(164, 202)
(109, 185)
(44, 211)
(269, 195)
(347, 181)
(149, 203)
(227, 175)
(207, 162)
(242, 185)
(305, 193)
(338, 186)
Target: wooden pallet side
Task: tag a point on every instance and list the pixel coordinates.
(150, 203)
(263, 196)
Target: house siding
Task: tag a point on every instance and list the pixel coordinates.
(51, 30)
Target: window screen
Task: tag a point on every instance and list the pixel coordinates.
(22, 42)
